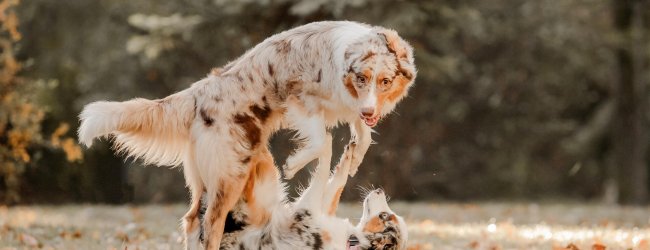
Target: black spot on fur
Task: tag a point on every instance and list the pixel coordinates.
(300, 216)
(253, 132)
(320, 75)
(318, 241)
(207, 120)
(195, 106)
(266, 239)
(233, 225)
(246, 160)
(262, 113)
(202, 217)
(271, 71)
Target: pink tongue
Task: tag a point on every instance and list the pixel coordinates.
(371, 121)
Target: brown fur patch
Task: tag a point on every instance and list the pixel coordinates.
(271, 71)
(335, 201)
(253, 132)
(375, 225)
(393, 218)
(399, 88)
(262, 113)
(349, 85)
(283, 46)
(320, 75)
(294, 87)
(248, 196)
(263, 169)
(393, 43)
(367, 56)
(327, 238)
(207, 120)
(217, 206)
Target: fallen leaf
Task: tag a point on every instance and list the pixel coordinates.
(598, 246)
(28, 240)
(571, 246)
(76, 234)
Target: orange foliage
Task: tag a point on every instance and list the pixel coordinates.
(20, 116)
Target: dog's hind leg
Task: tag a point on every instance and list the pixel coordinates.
(191, 222)
(221, 199)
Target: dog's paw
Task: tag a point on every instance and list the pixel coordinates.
(357, 159)
(354, 157)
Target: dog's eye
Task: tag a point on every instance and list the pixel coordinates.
(386, 84)
(361, 79)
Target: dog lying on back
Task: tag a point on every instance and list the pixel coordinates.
(310, 222)
(307, 79)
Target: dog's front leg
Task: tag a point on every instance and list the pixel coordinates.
(312, 197)
(312, 134)
(338, 180)
(361, 134)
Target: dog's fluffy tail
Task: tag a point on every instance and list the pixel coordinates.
(155, 130)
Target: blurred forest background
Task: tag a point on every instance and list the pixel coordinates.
(514, 100)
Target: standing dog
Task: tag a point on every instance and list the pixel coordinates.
(310, 221)
(307, 79)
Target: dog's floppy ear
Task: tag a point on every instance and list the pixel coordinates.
(402, 50)
(395, 44)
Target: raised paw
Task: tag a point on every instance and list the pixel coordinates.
(357, 158)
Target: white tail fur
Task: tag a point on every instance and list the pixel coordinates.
(156, 131)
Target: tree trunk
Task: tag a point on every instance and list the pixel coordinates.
(629, 135)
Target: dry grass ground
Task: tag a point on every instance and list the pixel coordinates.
(431, 226)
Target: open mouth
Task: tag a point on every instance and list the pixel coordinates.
(371, 121)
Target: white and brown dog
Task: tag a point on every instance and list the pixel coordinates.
(308, 79)
(310, 221)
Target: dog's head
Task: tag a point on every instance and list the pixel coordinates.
(380, 70)
(380, 225)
